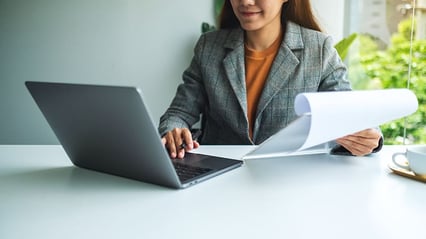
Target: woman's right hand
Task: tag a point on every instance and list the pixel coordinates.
(179, 140)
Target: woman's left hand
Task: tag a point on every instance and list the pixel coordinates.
(361, 143)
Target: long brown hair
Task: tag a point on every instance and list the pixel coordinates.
(297, 11)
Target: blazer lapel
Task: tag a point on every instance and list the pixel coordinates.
(283, 66)
(235, 68)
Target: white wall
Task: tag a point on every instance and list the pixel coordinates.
(120, 42)
(331, 14)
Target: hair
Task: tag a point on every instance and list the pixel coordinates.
(297, 11)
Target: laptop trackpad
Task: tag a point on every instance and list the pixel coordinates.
(207, 161)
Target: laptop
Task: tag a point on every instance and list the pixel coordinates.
(109, 129)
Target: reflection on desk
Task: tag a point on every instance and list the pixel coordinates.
(311, 196)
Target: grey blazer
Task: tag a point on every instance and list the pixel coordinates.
(214, 85)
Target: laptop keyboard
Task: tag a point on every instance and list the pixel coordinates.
(186, 171)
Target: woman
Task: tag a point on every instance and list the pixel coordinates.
(244, 77)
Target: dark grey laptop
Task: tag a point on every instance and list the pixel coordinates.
(109, 129)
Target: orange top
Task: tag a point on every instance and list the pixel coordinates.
(257, 66)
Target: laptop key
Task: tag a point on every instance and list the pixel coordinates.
(186, 171)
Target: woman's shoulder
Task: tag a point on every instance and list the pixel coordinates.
(222, 37)
(296, 32)
(215, 44)
(294, 27)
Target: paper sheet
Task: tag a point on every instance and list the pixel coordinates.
(326, 116)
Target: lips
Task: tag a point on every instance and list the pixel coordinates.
(249, 13)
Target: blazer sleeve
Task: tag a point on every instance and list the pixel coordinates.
(334, 72)
(186, 106)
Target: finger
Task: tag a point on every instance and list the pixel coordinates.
(187, 137)
(170, 145)
(177, 136)
(351, 149)
(187, 142)
(355, 148)
(178, 141)
(368, 134)
(356, 140)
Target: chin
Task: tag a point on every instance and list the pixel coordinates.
(250, 27)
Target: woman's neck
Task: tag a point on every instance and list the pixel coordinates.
(262, 38)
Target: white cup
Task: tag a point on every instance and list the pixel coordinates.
(415, 159)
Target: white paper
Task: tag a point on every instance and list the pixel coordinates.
(326, 116)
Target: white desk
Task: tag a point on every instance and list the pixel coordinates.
(319, 196)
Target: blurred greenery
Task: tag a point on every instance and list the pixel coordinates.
(343, 46)
(374, 68)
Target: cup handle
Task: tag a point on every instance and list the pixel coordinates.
(395, 155)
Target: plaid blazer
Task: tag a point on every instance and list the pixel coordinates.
(214, 85)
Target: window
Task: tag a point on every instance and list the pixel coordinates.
(390, 52)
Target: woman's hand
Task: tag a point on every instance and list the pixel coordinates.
(179, 140)
(361, 143)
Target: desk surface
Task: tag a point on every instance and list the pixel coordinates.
(315, 196)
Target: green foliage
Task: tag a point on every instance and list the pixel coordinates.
(342, 46)
(218, 4)
(205, 27)
(388, 68)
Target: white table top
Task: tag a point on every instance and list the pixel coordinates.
(316, 196)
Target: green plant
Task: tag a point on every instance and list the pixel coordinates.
(343, 45)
